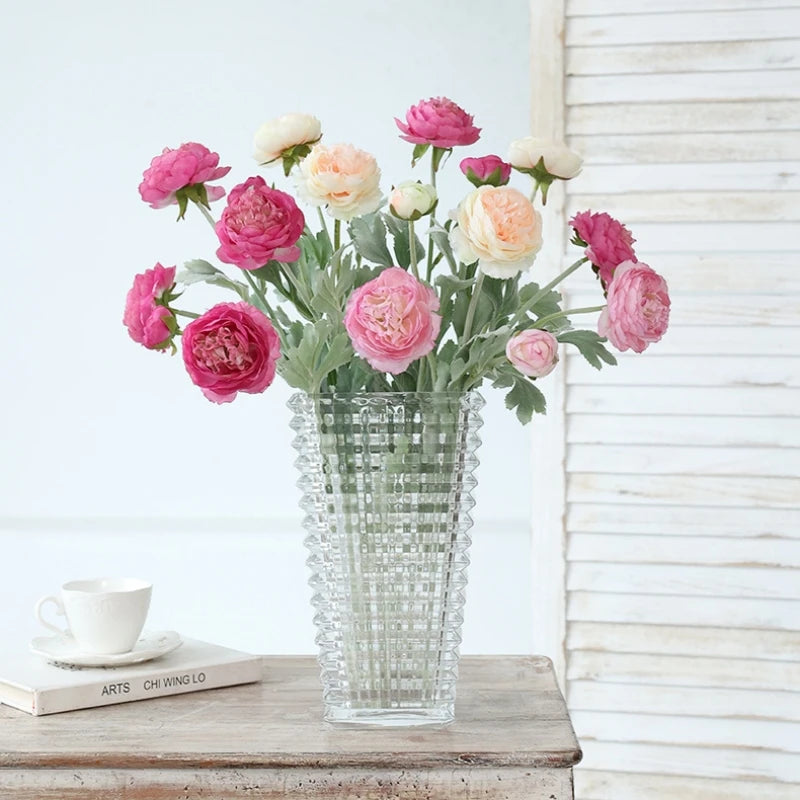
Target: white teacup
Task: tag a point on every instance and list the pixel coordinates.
(105, 615)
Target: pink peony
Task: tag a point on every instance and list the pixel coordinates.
(638, 307)
(391, 320)
(489, 170)
(533, 352)
(259, 224)
(439, 122)
(231, 348)
(190, 164)
(609, 242)
(146, 320)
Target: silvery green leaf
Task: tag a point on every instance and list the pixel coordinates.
(441, 239)
(199, 271)
(399, 230)
(369, 237)
(526, 399)
(590, 345)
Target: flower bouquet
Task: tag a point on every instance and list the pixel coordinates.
(386, 315)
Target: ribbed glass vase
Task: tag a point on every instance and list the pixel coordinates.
(387, 481)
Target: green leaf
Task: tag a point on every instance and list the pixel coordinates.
(326, 299)
(419, 151)
(369, 237)
(591, 346)
(524, 396)
(550, 303)
(399, 231)
(441, 238)
(199, 271)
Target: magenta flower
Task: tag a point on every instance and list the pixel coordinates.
(608, 241)
(232, 348)
(486, 171)
(148, 322)
(637, 313)
(439, 122)
(391, 320)
(259, 224)
(191, 164)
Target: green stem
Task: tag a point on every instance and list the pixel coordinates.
(259, 293)
(207, 214)
(429, 269)
(558, 314)
(545, 289)
(337, 234)
(412, 249)
(298, 287)
(180, 313)
(322, 222)
(420, 374)
(473, 304)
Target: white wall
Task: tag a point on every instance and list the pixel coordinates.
(113, 462)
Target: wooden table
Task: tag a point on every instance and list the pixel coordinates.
(512, 738)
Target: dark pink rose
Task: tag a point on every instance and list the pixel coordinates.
(439, 122)
(148, 322)
(190, 164)
(486, 171)
(391, 320)
(259, 224)
(637, 313)
(231, 348)
(609, 242)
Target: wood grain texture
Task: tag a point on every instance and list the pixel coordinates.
(509, 714)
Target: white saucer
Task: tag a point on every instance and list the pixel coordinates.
(65, 650)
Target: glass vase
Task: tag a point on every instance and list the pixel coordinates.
(387, 481)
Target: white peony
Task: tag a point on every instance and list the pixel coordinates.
(559, 160)
(280, 134)
(412, 200)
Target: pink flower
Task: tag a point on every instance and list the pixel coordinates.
(231, 348)
(148, 322)
(489, 170)
(190, 164)
(439, 122)
(638, 307)
(259, 224)
(609, 242)
(391, 320)
(533, 352)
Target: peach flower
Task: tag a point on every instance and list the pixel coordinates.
(341, 177)
(499, 228)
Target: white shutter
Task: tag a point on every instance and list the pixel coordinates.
(681, 503)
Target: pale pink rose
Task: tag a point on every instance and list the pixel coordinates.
(231, 348)
(189, 164)
(533, 352)
(499, 228)
(439, 122)
(391, 320)
(609, 242)
(149, 323)
(488, 170)
(637, 313)
(341, 177)
(259, 224)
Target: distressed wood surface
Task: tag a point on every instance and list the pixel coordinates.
(580, 8)
(509, 714)
(510, 783)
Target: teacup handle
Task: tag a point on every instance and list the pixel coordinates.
(59, 611)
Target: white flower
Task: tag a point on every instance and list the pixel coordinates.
(341, 177)
(499, 227)
(412, 200)
(559, 160)
(280, 134)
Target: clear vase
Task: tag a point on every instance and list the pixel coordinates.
(387, 481)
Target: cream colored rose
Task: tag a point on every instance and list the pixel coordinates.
(559, 160)
(412, 200)
(341, 177)
(499, 227)
(280, 134)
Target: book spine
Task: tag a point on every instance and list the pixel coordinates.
(142, 687)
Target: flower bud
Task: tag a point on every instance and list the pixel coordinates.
(486, 171)
(411, 200)
(533, 352)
